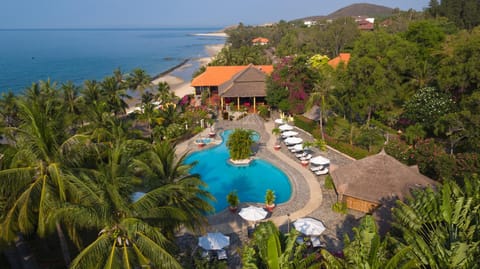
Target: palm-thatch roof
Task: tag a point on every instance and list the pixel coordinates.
(378, 177)
(247, 83)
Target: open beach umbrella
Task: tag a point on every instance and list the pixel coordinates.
(285, 127)
(293, 140)
(253, 213)
(319, 160)
(213, 241)
(279, 121)
(298, 147)
(289, 133)
(309, 226)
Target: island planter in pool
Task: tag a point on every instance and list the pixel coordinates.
(233, 201)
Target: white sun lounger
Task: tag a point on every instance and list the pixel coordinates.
(306, 158)
(321, 172)
(300, 155)
(316, 168)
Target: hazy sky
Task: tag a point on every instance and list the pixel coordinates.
(155, 13)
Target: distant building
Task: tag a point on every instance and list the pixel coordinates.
(342, 58)
(238, 85)
(309, 23)
(365, 23)
(260, 41)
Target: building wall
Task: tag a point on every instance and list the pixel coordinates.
(360, 205)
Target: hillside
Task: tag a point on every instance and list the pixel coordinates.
(364, 9)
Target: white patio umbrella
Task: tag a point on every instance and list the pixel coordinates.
(289, 133)
(293, 140)
(285, 127)
(319, 160)
(253, 213)
(279, 121)
(298, 147)
(309, 226)
(213, 241)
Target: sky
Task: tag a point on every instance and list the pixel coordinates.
(161, 13)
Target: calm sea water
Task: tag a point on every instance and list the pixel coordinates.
(251, 182)
(28, 56)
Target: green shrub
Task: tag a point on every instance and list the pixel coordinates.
(340, 207)
(304, 123)
(350, 150)
(329, 183)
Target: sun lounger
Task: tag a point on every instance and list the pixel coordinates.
(222, 254)
(316, 168)
(300, 155)
(306, 158)
(315, 242)
(321, 172)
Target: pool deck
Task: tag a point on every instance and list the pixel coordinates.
(308, 197)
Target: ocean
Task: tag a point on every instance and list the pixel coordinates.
(76, 55)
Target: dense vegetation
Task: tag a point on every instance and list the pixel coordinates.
(73, 161)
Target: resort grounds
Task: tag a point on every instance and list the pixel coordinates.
(309, 197)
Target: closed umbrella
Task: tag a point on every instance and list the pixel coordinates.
(279, 121)
(289, 133)
(293, 140)
(253, 213)
(213, 241)
(309, 226)
(320, 160)
(285, 127)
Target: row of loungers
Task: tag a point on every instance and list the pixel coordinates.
(303, 155)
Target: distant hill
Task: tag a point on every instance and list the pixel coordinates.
(369, 10)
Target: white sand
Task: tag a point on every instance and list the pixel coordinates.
(179, 86)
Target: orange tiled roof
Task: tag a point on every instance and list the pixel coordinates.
(343, 57)
(260, 40)
(217, 75)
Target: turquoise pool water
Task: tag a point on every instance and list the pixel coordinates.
(251, 182)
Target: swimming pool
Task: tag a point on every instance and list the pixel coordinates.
(251, 182)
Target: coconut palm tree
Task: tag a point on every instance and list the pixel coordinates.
(138, 80)
(38, 177)
(8, 108)
(115, 94)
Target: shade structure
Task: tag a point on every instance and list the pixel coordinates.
(298, 147)
(289, 133)
(285, 127)
(309, 226)
(293, 140)
(279, 121)
(253, 213)
(213, 241)
(319, 160)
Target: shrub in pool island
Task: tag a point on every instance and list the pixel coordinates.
(239, 144)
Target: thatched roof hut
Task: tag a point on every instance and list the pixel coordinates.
(367, 183)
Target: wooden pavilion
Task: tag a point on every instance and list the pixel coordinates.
(368, 183)
(238, 85)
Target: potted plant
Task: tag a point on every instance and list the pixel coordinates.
(233, 201)
(270, 200)
(276, 131)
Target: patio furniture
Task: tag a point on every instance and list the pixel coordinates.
(293, 140)
(316, 168)
(315, 241)
(306, 158)
(300, 155)
(320, 160)
(309, 226)
(222, 254)
(321, 172)
(213, 241)
(289, 134)
(285, 127)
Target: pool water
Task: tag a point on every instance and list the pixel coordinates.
(251, 182)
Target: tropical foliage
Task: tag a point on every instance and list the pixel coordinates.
(240, 143)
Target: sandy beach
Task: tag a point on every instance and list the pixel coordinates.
(178, 85)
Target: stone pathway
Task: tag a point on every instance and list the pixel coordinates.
(309, 198)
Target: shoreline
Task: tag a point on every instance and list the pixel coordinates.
(179, 86)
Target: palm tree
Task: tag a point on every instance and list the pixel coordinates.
(442, 227)
(270, 249)
(239, 144)
(164, 95)
(115, 94)
(38, 177)
(138, 80)
(8, 109)
(138, 233)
